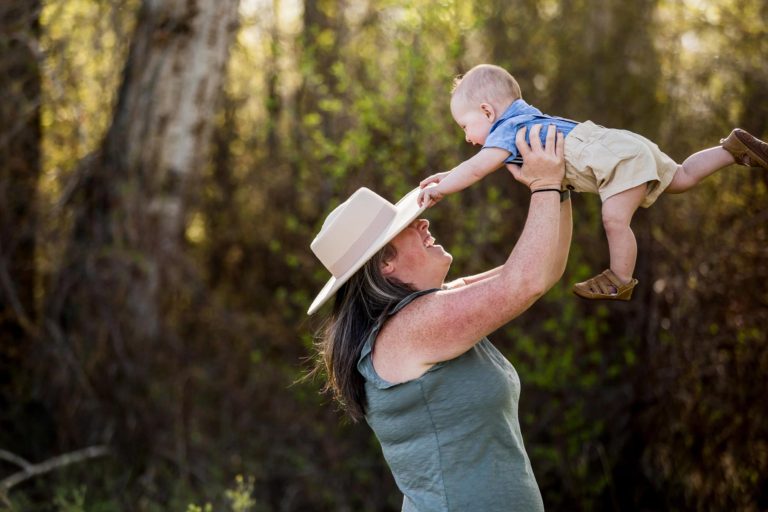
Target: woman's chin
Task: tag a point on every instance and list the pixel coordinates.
(445, 254)
(437, 251)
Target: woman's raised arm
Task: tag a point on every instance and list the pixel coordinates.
(445, 324)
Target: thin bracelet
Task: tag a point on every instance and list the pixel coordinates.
(545, 190)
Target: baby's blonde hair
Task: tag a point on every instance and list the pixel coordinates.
(486, 83)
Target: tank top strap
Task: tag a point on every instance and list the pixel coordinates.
(408, 299)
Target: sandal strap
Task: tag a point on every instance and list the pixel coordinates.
(602, 284)
(605, 285)
(615, 281)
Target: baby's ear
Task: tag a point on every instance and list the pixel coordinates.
(488, 111)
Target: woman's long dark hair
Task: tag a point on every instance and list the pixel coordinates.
(359, 304)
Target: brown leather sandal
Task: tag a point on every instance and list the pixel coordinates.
(746, 149)
(605, 286)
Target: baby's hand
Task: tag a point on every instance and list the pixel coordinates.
(435, 178)
(430, 195)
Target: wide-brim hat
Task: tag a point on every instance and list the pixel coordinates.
(355, 230)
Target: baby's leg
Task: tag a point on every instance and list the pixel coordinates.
(697, 167)
(740, 147)
(617, 215)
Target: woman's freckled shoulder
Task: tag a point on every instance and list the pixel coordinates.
(402, 328)
(396, 353)
(418, 309)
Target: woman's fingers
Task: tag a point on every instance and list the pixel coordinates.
(553, 141)
(542, 160)
(535, 137)
(551, 132)
(522, 146)
(542, 164)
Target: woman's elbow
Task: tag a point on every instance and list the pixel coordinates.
(528, 285)
(557, 273)
(545, 283)
(535, 286)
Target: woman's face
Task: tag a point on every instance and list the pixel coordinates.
(418, 260)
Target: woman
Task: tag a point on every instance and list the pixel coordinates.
(409, 353)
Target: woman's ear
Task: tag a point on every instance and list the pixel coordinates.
(387, 262)
(488, 111)
(387, 267)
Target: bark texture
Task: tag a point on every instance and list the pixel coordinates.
(108, 314)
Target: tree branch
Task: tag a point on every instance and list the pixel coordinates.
(31, 470)
(14, 459)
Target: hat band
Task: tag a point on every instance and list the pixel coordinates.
(363, 243)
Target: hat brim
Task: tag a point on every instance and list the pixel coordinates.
(407, 211)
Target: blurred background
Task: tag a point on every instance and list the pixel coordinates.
(165, 164)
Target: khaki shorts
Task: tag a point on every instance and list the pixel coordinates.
(608, 161)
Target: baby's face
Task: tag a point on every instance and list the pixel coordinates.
(473, 119)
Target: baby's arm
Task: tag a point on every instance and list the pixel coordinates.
(463, 175)
(464, 281)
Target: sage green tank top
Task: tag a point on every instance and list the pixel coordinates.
(452, 437)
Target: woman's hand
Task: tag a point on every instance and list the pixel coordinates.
(543, 167)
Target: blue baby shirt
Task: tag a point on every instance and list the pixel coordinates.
(520, 114)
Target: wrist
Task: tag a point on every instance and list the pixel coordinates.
(551, 189)
(564, 194)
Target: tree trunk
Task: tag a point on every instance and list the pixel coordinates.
(163, 120)
(124, 267)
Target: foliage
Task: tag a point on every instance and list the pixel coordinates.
(240, 498)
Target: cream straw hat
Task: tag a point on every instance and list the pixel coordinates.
(355, 231)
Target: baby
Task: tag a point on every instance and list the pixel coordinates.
(626, 169)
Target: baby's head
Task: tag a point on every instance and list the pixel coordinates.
(479, 97)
